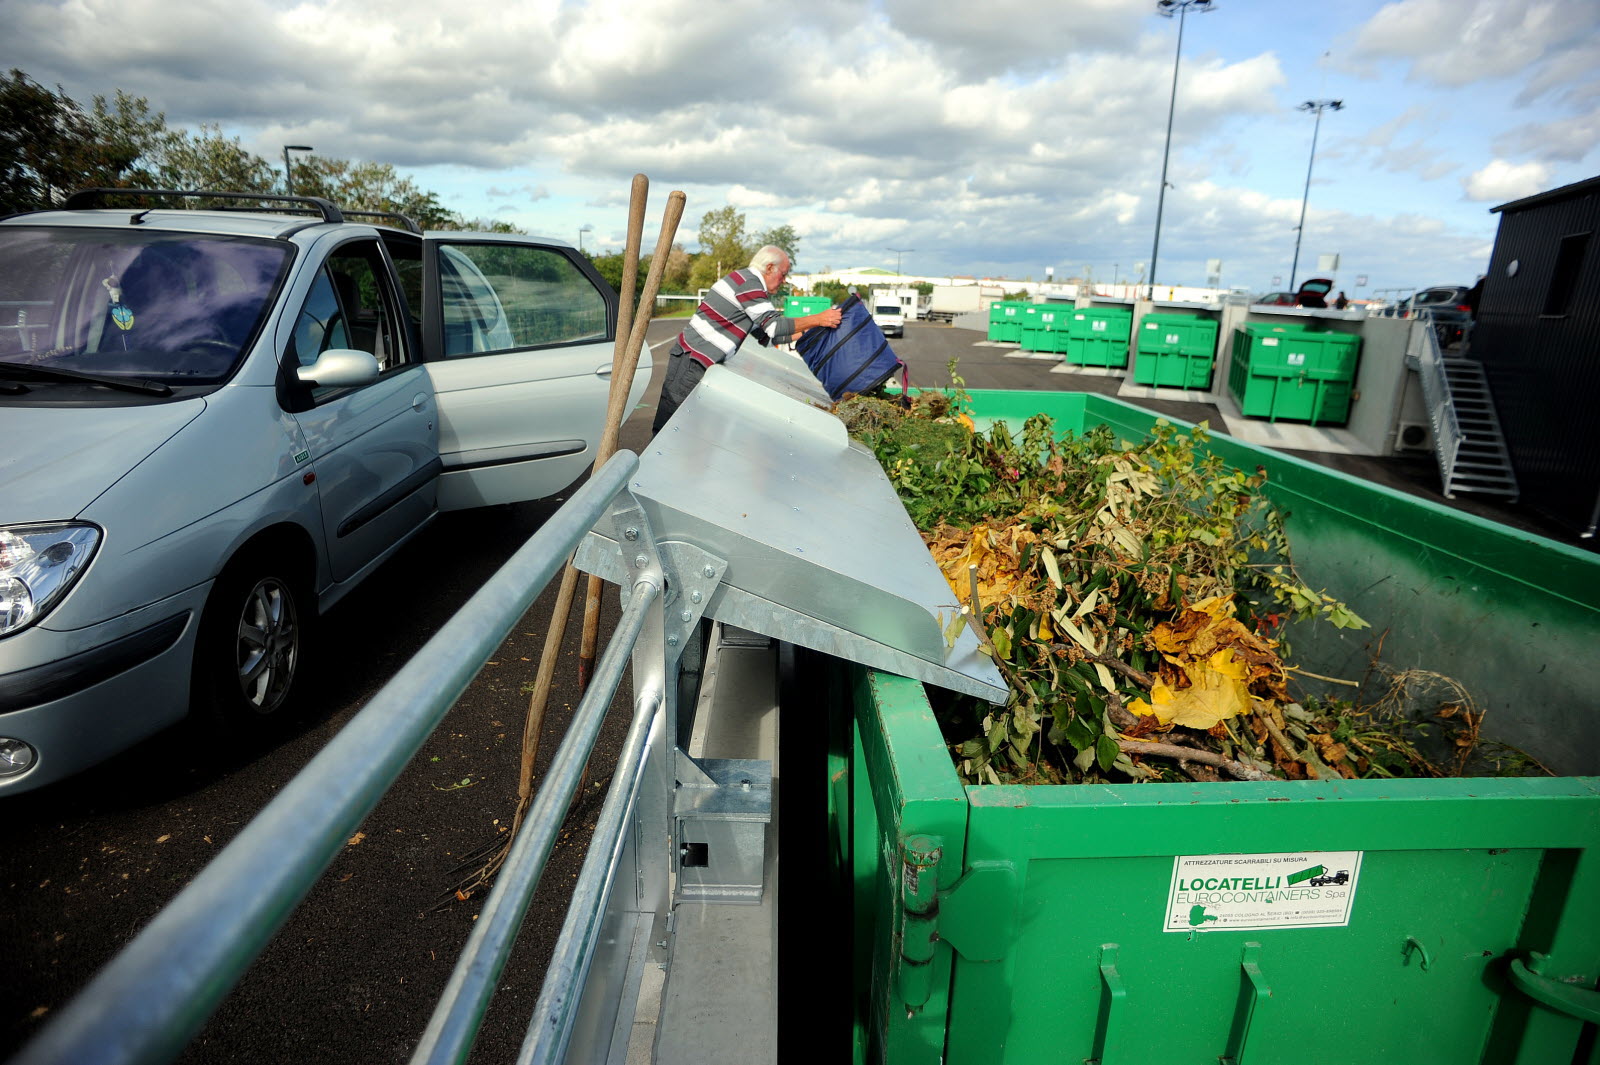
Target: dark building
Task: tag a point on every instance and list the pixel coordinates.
(1538, 338)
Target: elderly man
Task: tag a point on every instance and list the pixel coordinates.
(736, 307)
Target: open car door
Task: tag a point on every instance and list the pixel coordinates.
(518, 335)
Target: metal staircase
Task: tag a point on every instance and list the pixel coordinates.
(1466, 432)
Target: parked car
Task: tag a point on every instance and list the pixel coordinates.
(1313, 292)
(1275, 299)
(1449, 309)
(215, 424)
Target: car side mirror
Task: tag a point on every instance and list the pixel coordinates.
(340, 368)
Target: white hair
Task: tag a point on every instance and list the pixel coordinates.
(766, 257)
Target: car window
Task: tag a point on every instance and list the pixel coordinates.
(497, 297)
(176, 307)
(351, 305)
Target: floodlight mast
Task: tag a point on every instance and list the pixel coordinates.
(1316, 107)
(1165, 8)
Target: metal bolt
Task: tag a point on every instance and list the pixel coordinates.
(686, 616)
(672, 641)
(710, 571)
(640, 561)
(694, 597)
(631, 534)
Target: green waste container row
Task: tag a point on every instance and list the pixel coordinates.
(1175, 351)
(800, 306)
(1005, 320)
(1098, 336)
(1294, 374)
(1453, 921)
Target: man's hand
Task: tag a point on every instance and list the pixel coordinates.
(828, 318)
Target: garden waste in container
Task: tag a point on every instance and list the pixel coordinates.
(1098, 336)
(1292, 373)
(1428, 921)
(1175, 351)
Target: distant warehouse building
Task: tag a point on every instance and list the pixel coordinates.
(1538, 338)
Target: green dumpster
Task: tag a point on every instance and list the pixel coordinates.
(1175, 351)
(1434, 922)
(1293, 373)
(800, 306)
(1005, 321)
(1098, 336)
(1045, 328)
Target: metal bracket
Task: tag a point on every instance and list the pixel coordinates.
(1253, 992)
(689, 574)
(1113, 1006)
(1577, 1002)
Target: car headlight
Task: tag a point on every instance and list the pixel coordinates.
(38, 563)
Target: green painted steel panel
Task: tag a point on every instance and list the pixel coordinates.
(1293, 373)
(800, 306)
(1458, 880)
(1098, 336)
(1005, 320)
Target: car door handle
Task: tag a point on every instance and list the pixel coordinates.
(603, 370)
(419, 402)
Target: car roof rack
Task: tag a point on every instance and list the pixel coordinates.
(406, 222)
(85, 198)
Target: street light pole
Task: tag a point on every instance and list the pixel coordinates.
(897, 253)
(581, 231)
(288, 174)
(1316, 107)
(1165, 8)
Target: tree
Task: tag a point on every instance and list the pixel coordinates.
(780, 237)
(208, 160)
(723, 247)
(50, 146)
(371, 187)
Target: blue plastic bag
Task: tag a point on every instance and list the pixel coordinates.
(853, 356)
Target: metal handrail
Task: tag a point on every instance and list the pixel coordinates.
(154, 996)
(1447, 434)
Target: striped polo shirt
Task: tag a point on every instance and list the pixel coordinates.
(734, 308)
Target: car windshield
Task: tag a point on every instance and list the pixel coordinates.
(133, 303)
(892, 308)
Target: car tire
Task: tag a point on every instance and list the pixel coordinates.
(251, 651)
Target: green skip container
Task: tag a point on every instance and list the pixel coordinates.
(1045, 329)
(1005, 321)
(1288, 373)
(800, 306)
(1175, 351)
(1423, 921)
(1098, 336)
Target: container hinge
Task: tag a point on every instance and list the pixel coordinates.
(1562, 997)
(978, 914)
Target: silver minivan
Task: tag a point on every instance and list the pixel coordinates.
(215, 424)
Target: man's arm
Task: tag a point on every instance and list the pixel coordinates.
(828, 319)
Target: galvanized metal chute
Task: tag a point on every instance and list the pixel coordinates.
(818, 549)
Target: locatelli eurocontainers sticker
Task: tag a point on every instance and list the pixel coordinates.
(1240, 892)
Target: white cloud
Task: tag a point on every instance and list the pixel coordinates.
(1501, 181)
(1457, 42)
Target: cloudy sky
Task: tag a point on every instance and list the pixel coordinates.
(994, 138)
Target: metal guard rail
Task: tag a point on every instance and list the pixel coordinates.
(154, 996)
(1447, 435)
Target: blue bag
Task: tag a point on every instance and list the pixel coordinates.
(853, 356)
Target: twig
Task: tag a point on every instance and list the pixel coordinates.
(1319, 676)
(1319, 769)
(1191, 754)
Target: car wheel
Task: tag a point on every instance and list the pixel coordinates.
(252, 645)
